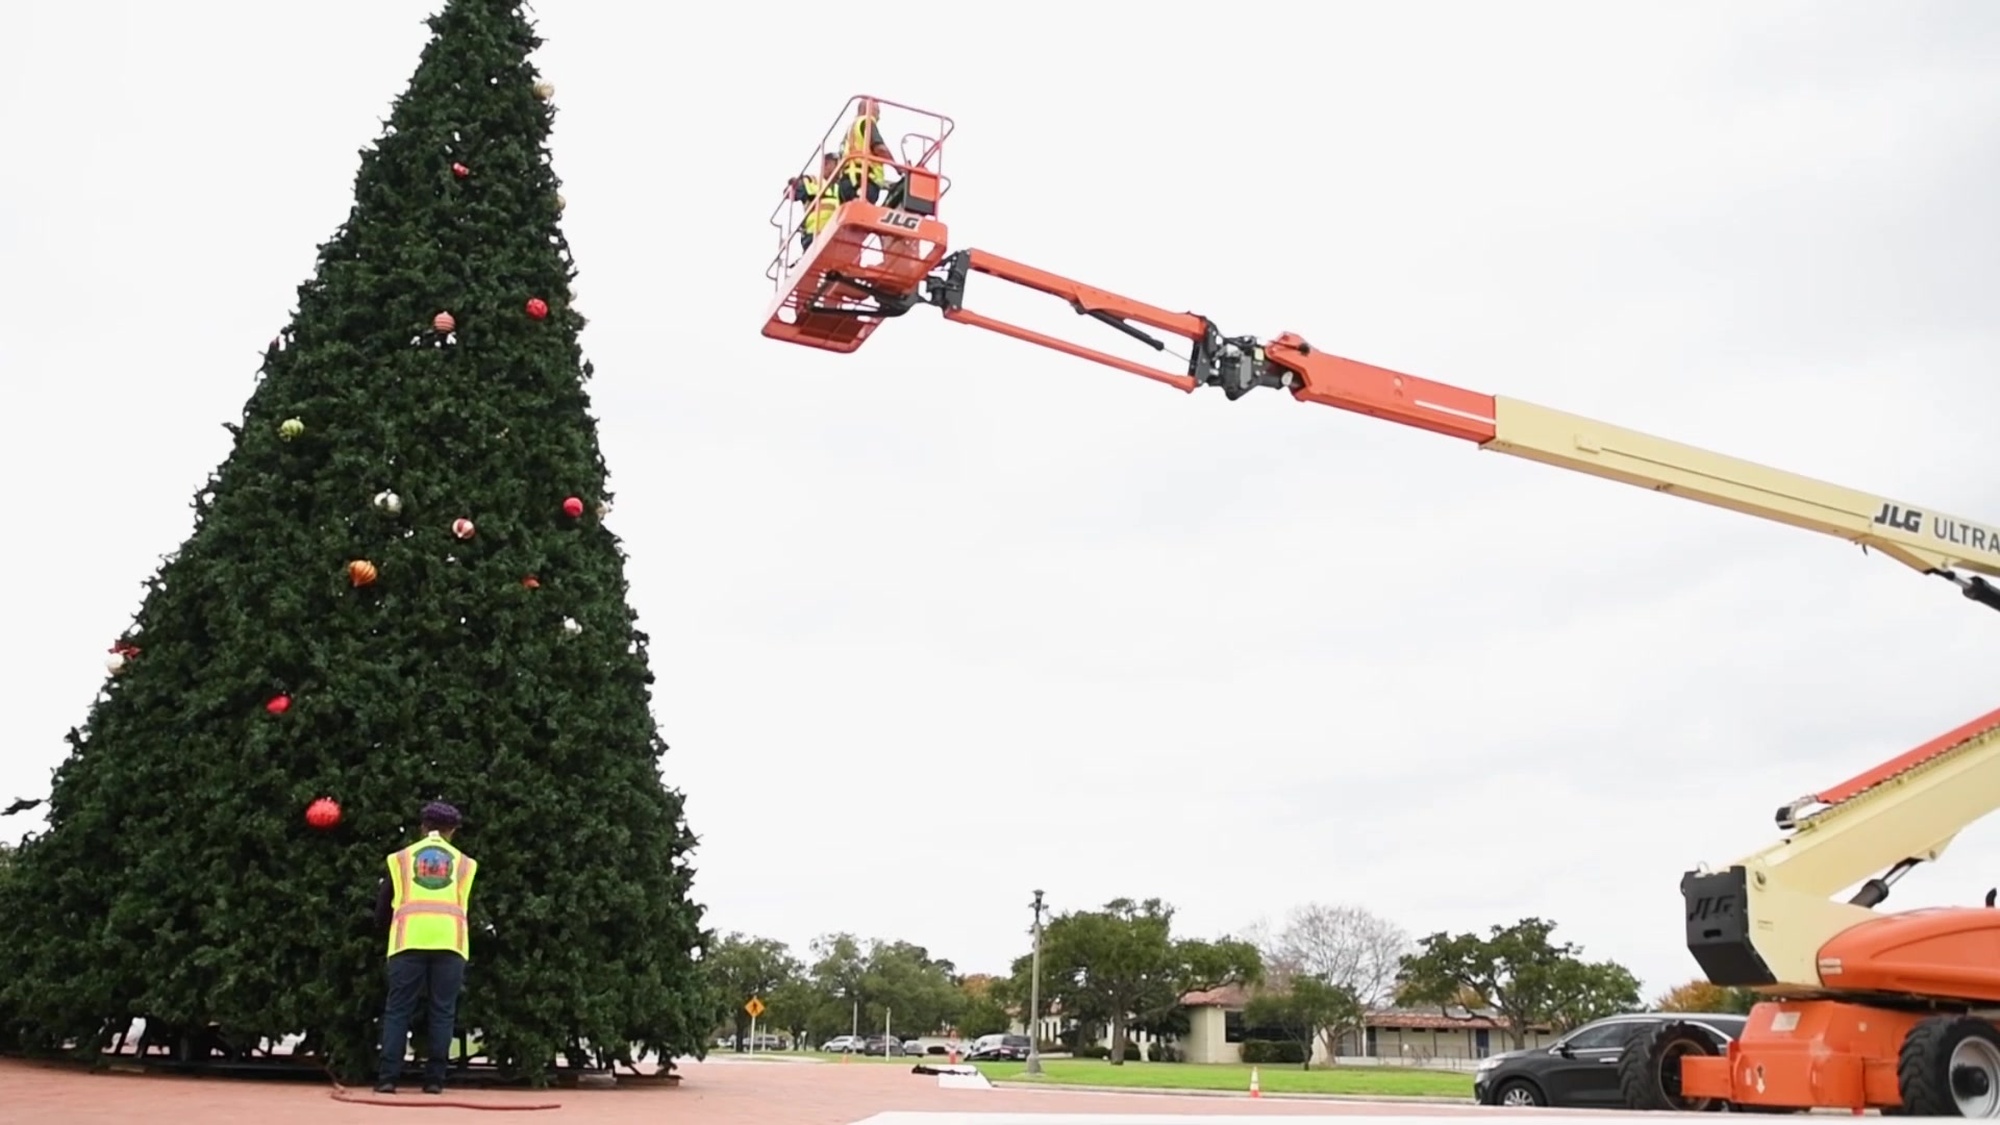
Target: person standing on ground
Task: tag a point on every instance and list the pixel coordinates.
(422, 904)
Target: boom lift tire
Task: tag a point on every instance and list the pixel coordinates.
(1949, 1066)
(1649, 1069)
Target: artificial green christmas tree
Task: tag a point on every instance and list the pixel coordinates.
(399, 588)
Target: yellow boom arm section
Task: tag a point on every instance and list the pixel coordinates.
(1923, 539)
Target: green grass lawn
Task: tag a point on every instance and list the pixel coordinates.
(1359, 1081)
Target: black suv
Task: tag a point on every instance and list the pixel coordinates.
(1581, 1069)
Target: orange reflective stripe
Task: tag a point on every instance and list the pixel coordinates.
(455, 909)
(405, 909)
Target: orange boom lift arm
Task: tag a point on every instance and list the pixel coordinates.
(1891, 1010)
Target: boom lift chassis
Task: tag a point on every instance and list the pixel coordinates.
(1863, 1008)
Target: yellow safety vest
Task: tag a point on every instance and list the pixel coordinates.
(430, 884)
(857, 145)
(821, 203)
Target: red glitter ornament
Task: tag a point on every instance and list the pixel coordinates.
(323, 813)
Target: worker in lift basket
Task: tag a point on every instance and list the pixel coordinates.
(821, 199)
(867, 178)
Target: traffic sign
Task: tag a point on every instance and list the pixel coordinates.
(755, 1007)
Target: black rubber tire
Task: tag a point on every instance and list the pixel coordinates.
(1923, 1066)
(1540, 1100)
(1649, 1071)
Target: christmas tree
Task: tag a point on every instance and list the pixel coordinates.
(399, 588)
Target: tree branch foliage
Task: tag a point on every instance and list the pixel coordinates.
(1121, 967)
(843, 985)
(1330, 963)
(1521, 973)
(1699, 995)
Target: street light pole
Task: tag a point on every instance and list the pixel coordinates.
(1034, 1066)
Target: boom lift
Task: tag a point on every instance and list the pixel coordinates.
(1864, 1007)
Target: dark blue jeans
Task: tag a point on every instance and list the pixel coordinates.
(412, 973)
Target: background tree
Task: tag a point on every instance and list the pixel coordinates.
(1347, 947)
(1468, 998)
(437, 670)
(1520, 973)
(906, 989)
(893, 983)
(1701, 995)
(802, 1012)
(982, 1012)
(1122, 965)
(740, 967)
(839, 966)
(1304, 1009)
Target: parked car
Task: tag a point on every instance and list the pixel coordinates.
(998, 1048)
(882, 1045)
(841, 1044)
(1582, 1069)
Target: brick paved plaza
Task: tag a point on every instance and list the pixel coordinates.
(720, 1092)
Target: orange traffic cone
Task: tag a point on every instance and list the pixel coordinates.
(1256, 1087)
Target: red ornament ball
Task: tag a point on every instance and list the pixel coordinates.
(444, 322)
(537, 308)
(461, 171)
(279, 704)
(323, 813)
(572, 507)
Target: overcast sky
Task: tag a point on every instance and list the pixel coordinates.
(955, 617)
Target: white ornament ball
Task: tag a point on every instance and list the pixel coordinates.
(462, 528)
(545, 90)
(115, 663)
(572, 626)
(389, 502)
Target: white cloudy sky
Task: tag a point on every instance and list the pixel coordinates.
(956, 618)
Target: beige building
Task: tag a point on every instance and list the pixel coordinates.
(1407, 1035)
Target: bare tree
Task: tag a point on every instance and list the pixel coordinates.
(1270, 944)
(1348, 947)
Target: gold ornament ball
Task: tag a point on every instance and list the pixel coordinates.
(291, 428)
(545, 90)
(561, 202)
